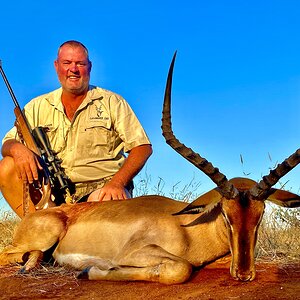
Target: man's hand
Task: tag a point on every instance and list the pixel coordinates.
(26, 162)
(110, 191)
(115, 189)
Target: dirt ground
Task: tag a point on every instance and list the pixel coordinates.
(273, 281)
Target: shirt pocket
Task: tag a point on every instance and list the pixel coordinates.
(56, 138)
(97, 140)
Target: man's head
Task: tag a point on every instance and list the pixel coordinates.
(73, 67)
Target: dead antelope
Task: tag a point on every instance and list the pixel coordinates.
(155, 238)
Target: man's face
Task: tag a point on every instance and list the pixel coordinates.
(73, 69)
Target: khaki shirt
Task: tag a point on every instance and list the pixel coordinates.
(92, 145)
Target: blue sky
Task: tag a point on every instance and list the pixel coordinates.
(236, 88)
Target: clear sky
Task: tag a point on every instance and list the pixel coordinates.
(236, 88)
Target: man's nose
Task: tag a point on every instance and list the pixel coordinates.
(73, 67)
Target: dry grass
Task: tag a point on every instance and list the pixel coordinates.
(8, 222)
(279, 234)
(48, 270)
(144, 185)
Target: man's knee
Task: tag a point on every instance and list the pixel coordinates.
(7, 169)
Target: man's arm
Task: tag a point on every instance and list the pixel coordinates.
(26, 162)
(115, 188)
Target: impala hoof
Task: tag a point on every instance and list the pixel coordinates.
(84, 274)
(23, 271)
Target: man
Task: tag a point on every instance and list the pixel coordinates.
(89, 129)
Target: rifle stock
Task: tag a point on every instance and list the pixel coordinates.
(25, 131)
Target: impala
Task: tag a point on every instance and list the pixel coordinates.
(155, 238)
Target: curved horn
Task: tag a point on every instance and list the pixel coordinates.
(226, 188)
(262, 189)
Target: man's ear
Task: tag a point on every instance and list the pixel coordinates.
(56, 64)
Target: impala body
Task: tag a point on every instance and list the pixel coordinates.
(155, 238)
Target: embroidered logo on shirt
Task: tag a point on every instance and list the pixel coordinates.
(99, 113)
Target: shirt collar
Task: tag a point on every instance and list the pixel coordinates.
(54, 98)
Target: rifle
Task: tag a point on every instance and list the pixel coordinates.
(55, 181)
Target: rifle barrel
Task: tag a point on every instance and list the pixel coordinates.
(8, 86)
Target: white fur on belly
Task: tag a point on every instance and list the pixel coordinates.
(82, 261)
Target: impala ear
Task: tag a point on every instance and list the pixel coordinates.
(204, 203)
(207, 216)
(284, 198)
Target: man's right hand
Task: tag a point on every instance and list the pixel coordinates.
(26, 162)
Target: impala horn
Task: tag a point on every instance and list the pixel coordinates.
(226, 189)
(263, 188)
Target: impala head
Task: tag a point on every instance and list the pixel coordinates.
(242, 216)
(241, 200)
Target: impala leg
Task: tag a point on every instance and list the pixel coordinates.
(34, 258)
(14, 255)
(36, 233)
(151, 263)
(11, 255)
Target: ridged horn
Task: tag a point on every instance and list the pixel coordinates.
(227, 189)
(263, 188)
